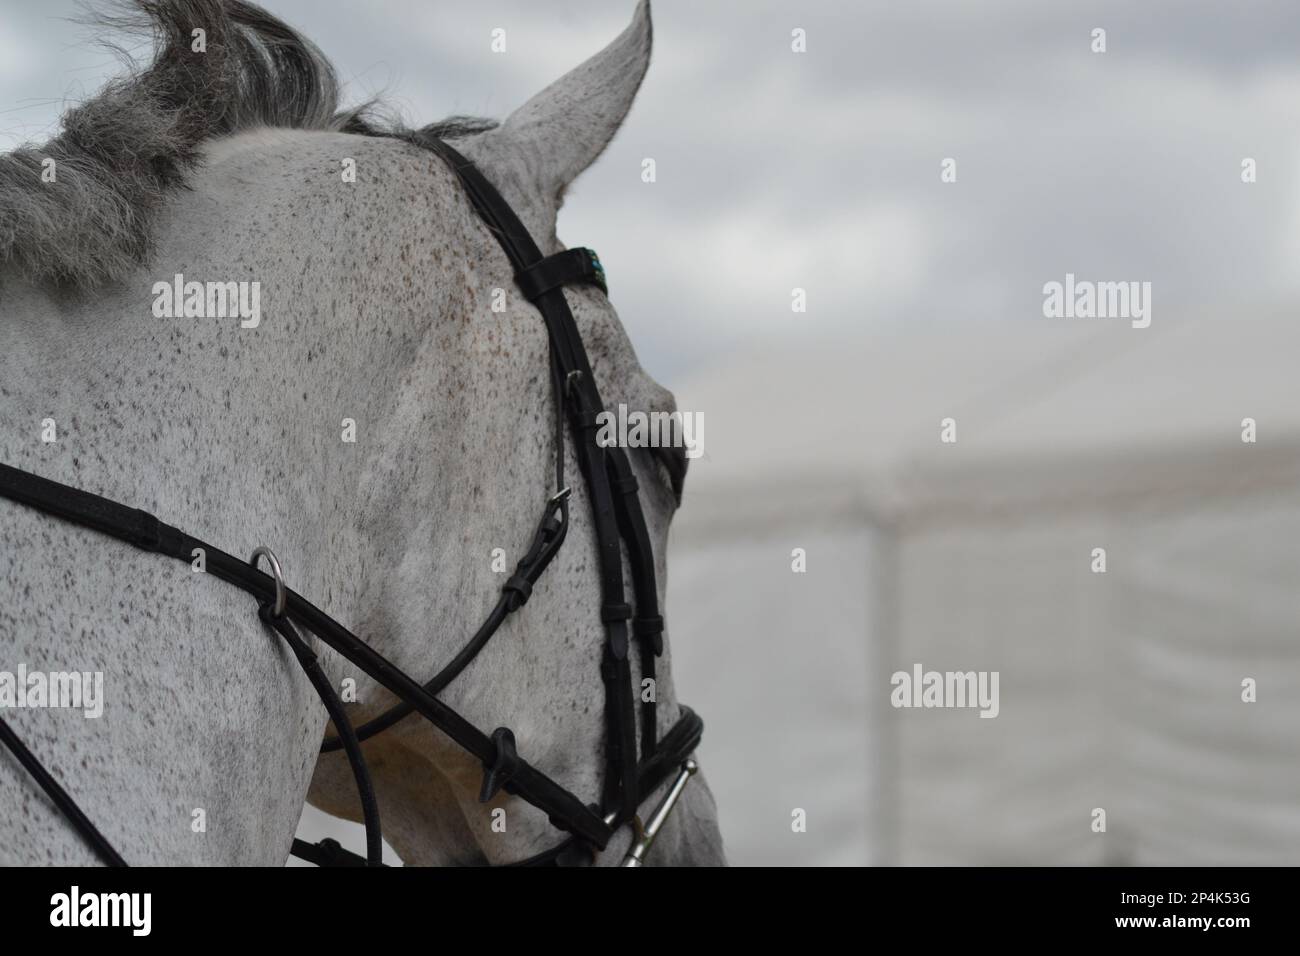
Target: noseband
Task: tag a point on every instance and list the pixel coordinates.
(618, 521)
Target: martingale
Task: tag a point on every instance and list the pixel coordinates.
(618, 520)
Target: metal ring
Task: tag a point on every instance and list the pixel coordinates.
(280, 590)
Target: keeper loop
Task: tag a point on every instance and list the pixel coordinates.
(522, 588)
(650, 628)
(647, 626)
(505, 762)
(615, 612)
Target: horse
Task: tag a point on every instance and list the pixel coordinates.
(363, 393)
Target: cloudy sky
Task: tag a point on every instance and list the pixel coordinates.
(821, 170)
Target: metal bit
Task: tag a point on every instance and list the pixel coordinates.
(641, 846)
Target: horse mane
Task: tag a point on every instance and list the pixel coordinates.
(121, 153)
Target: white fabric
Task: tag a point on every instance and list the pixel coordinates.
(1119, 691)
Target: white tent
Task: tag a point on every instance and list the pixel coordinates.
(1119, 690)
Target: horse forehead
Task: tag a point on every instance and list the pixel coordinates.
(338, 186)
(405, 205)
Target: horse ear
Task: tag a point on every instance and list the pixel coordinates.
(568, 124)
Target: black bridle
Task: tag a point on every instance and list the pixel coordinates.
(617, 518)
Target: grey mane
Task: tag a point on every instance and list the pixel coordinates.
(122, 152)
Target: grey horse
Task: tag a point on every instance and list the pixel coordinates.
(370, 400)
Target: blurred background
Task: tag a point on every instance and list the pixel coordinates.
(821, 171)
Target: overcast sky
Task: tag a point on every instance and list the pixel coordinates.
(822, 170)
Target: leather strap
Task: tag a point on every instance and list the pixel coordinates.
(677, 745)
(334, 707)
(65, 804)
(148, 533)
(326, 853)
(609, 511)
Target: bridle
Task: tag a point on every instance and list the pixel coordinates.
(618, 520)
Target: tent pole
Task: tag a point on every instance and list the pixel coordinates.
(883, 648)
